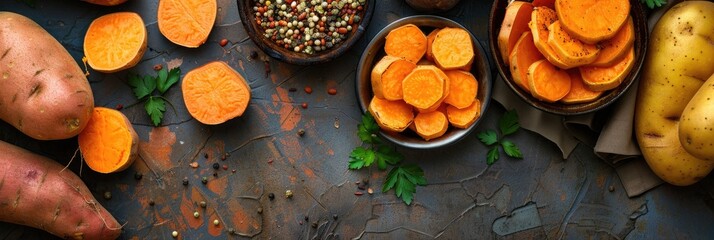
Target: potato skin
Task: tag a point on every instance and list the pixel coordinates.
(44, 92)
(37, 192)
(679, 59)
(696, 127)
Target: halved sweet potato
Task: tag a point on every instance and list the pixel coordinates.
(453, 49)
(578, 92)
(606, 78)
(547, 82)
(407, 41)
(391, 115)
(115, 41)
(463, 88)
(387, 77)
(430, 125)
(515, 22)
(524, 54)
(541, 18)
(592, 21)
(615, 48)
(569, 48)
(463, 118)
(425, 88)
(186, 22)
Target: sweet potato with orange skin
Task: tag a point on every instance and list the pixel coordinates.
(463, 118)
(515, 23)
(115, 42)
(541, 18)
(615, 48)
(463, 88)
(38, 192)
(569, 48)
(215, 93)
(547, 82)
(387, 76)
(187, 22)
(407, 41)
(453, 49)
(606, 78)
(430, 125)
(592, 21)
(425, 88)
(44, 92)
(391, 115)
(524, 54)
(579, 93)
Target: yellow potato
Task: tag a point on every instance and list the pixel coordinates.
(680, 57)
(696, 127)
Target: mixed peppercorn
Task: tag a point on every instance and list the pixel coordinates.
(307, 26)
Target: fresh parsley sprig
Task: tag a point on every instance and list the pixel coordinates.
(652, 3)
(402, 178)
(508, 124)
(145, 89)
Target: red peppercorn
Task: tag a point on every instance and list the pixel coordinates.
(308, 90)
(119, 107)
(304, 105)
(223, 42)
(332, 91)
(158, 67)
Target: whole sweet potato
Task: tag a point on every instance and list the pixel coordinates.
(35, 191)
(43, 92)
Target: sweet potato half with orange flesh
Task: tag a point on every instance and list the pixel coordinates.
(38, 192)
(547, 82)
(606, 78)
(463, 118)
(453, 49)
(387, 76)
(571, 49)
(615, 48)
(430, 125)
(524, 54)
(391, 115)
(515, 22)
(541, 18)
(407, 41)
(592, 21)
(463, 88)
(187, 22)
(108, 143)
(425, 88)
(579, 93)
(215, 93)
(115, 42)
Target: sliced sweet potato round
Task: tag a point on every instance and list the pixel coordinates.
(541, 18)
(579, 93)
(387, 77)
(407, 41)
(187, 22)
(425, 88)
(108, 143)
(453, 49)
(430, 125)
(215, 93)
(463, 88)
(524, 54)
(115, 42)
(463, 118)
(592, 21)
(515, 22)
(569, 48)
(392, 116)
(547, 82)
(606, 78)
(429, 41)
(615, 48)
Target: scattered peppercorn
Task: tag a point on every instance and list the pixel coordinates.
(151, 202)
(253, 54)
(205, 155)
(196, 214)
(271, 196)
(233, 171)
(334, 216)
(204, 180)
(174, 234)
(223, 42)
(260, 210)
(215, 174)
(332, 91)
(202, 204)
(216, 166)
(304, 105)
(225, 167)
(307, 218)
(138, 176)
(611, 188)
(107, 195)
(288, 193)
(225, 155)
(301, 132)
(231, 231)
(314, 224)
(216, 222)
(158, 67)
(292, 89)
(308, 90)
(358, 193)
(185, 181)
(370, 191)
(119, 107)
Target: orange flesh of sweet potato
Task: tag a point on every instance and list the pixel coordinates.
(215, 93)
(429, 41)
(463, 88)
(569, 48)
(541, 18)
(515, 22)
(108, 143)
(407, 41)
(38, 192)
(524, 54)
(115, 42)
(425, 87)
(430, 125)
(453, 48)
(578, 92)
(387, 76)
(187, 22)
(606, 78)
(547, 82)
(592, 21)
(463, 118)
(615, 49)
(391, 115)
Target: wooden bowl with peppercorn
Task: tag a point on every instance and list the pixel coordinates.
(305, 32)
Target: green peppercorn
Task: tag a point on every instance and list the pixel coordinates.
(204, 180)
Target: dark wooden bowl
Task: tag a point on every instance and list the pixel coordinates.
(255, 32)
(480, 68)
(639, 18)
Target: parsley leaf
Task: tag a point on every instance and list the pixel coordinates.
(369, 124)
(142, 87)
(155, 107)
(511, 149)
(508, 123)
(387, 155)
(492, 156)
(404, 179)
(166, 79)
(361, 157)
(489, 137)
(652, 3)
